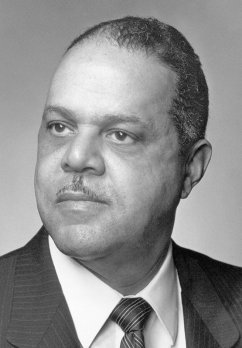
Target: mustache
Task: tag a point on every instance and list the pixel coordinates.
(78, 185)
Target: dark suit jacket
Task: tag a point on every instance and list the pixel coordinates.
(34, 313)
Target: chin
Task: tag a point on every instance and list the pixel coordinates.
(79, 241)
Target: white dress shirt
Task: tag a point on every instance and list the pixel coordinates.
(91, 301)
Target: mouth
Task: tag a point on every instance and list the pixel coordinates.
(77, 197)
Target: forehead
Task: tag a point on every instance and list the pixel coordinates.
(98, 77)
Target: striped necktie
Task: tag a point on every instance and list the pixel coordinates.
(131, 314)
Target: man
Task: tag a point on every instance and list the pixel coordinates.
(122, 140)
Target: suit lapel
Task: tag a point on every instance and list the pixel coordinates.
(207, 322)
(40, 316)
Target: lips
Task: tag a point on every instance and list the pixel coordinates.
(78, 197)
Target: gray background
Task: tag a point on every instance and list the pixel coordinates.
(33, 36)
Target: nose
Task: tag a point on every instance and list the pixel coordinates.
(83, 155)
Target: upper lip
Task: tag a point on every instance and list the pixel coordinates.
(76, 196)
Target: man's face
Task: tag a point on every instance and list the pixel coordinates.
(108, 174)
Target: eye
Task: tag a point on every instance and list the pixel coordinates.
(121, 137)
(59, 129)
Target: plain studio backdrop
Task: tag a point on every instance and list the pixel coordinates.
(34, 35)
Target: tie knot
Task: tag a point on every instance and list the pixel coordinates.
(131, 314)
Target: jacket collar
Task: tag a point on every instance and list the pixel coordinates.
(39, 310)
(205, 316)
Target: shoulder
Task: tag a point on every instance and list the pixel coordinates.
(28, 252)
(7, 280)
(207, 262)
(7, 267)
(8, 260)
(226, 278)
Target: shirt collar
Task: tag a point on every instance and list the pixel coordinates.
(162, 294)
(85, 293)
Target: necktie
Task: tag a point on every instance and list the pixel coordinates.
(131, 314)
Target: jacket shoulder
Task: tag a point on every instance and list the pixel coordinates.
(226, 278)
(32, 246)
(207, 261)
(8, 260)
(7, 273)
(8, 264)
(200, 256)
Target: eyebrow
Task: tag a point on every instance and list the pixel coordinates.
(106, 118)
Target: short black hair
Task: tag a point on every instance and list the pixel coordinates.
(189, 107)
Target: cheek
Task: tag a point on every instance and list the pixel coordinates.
(132, 180)
(49, 155)
(146, 181)
(46, 172)
(49, 152)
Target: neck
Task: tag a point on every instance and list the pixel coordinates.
(133, 271)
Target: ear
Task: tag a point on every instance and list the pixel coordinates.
(196, 165)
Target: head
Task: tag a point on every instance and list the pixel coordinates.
(189, 107)
(121, 140)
